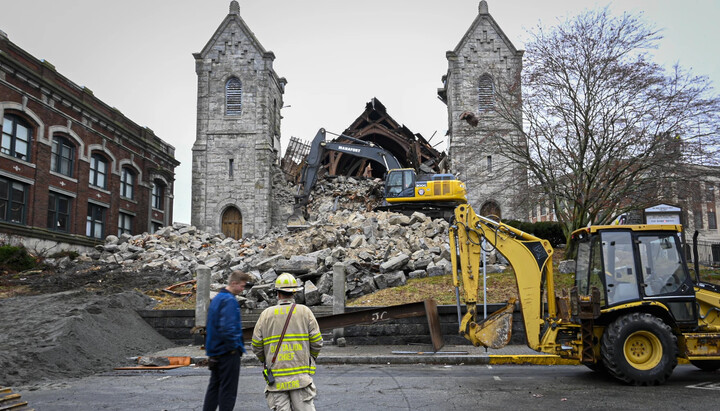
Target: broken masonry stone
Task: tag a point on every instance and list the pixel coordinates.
(418, 274)
(398, 219)
(312, 295)
(566, 267)
(395, 279)
(394, 263)
(380, 281)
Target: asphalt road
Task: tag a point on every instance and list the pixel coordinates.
(396, 387)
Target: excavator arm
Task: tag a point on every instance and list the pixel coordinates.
(531, 260)
(318, 148)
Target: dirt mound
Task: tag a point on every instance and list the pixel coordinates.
(72, 334)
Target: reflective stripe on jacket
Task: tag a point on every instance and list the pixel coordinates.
(295, 362)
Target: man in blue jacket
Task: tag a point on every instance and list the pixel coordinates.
(224, 344)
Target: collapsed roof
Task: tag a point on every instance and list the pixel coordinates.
(376, 126)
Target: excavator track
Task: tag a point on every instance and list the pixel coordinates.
(12, 401)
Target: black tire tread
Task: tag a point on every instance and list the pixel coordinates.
(611, 343)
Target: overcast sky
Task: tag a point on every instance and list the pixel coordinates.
(136, 55)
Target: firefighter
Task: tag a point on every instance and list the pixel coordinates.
(288, 366)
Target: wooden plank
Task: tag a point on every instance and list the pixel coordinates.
(9, 397)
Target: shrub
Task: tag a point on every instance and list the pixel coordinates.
(15, 258)
(547, 230)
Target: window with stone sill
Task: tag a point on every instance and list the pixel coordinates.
(95, 221)
(58, 212)
(127, 183)
(125, 224)
(16, 137)
(158, 195)
(62, 158)
(98, 171)
(13, 201)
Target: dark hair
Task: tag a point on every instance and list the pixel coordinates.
(285, 294)
(238, 276)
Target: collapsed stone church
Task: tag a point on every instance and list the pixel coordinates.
(237, 147)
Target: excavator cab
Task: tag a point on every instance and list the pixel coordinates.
(400, 183)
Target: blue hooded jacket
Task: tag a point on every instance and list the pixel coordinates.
(224, 325)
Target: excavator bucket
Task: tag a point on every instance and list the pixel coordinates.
(496, 329)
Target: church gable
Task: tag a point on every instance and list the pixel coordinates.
(485, 41)
(233, 37)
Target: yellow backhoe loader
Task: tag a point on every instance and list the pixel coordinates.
(633, 311)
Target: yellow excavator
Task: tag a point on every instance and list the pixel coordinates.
(633, 311)
(436, 195)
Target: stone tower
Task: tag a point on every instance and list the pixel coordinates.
(484, 64)
(238, 131)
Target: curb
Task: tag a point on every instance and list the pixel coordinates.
(434, 359)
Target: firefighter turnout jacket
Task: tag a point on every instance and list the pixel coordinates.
(295, 362)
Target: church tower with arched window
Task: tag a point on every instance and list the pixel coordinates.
(238, 131)
(484, 73)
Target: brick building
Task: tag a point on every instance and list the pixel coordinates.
(72, 168)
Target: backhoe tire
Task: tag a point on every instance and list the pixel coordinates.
(706, 365)
(639, 349)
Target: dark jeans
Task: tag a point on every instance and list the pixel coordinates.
(222, 389)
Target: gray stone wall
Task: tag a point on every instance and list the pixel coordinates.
(247, 140)
(484, 50)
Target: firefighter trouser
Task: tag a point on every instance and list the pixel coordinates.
(293, 400)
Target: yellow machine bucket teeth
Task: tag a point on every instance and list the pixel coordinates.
(496, 329)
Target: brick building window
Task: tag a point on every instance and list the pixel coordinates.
(95, 221)
(125, 224)
(486, 93)
(13, 201)
(16, 137)
(98, 171)
(157, 194)
(233, 97)
(155, 227)
(127, 183)
(63, 156)
(58, 212)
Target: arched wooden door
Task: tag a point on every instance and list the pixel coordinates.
(491, 209)
(232, 223)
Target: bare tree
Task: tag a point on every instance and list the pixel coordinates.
(607, 129)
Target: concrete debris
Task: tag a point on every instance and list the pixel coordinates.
(378, 249)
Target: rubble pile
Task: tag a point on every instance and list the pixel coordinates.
(333, 193)
(376, 249)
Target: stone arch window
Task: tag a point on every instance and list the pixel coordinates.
(158, 194)
(486, 93)
(62, 158)
(99, 171)
(127, 183)
(233, 97)
(16, 137)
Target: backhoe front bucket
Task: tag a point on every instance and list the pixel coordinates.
(496, 329)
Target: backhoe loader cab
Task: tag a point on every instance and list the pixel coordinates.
(636, 263)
